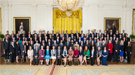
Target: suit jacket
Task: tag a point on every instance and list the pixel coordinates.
(116, 46)
(67, 45)
(117, 35)
(94, 54)
(56, 45)
(36, 53)
(61, 46)
(100, 45)
(88, 45)
(22, 47)
(95, 34)
(50, 46)
(60, 53)
(6, 45)
(32, 45)
(110, 35)
(103, 46)
(12, 49)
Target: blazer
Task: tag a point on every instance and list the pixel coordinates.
(94, 54)
(103, 46)
(129, 49)
(36, 53)
(32, 46)
(22, 47)
(53, 53)
(6, 45)
(17, 48)
(116, 46)
(81, 53)
(41, 53)
(12, 49)
(57, 53)
(110, 46)
(76, 53)
(61, 46)
(122, 48)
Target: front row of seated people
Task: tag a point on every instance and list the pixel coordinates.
(82, 55)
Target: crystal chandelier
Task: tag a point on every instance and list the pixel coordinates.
(69, 5)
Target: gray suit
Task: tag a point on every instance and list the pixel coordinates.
(98, 45)
(22, 49)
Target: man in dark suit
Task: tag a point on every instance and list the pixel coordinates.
(103, 45)
(111, 33)
(123, 33)
(87, 44)
(59, 55)
(89, 34)
(82, 44)
(17, 37)
(127, 38)
(55, 44)
(76, 34)
(95, 33)
(43, 44)
(105, 33)
(117, 33)
(6, 44)
(65, 35)
(61, 45)
(53, 35)
(12, 52)
(36, 55)
(58, 40)
(49, 44)
(116, 50)
(72, 36)
(31, 44)
(67, 44)
(46, 40)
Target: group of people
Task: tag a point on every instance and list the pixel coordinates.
(74, 47)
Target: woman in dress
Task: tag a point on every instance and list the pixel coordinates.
(86, 54)
(70, 55)
(17, 48)
(41, 55)
(121, 51)
(20, 41)
(76, 55)
(80, 55)
(30, 54)
(104, 56)
(47, 56)
(110, 49)
(99, 54)
(65, 55)
(26, 49)
(53, 55)
(129, 51)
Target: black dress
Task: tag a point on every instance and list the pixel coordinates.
(17, 48)
(27, 47)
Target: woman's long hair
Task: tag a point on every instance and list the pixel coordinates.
(86, 49)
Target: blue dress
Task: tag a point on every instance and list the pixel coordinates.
(47, 55)
(121, 52)
(104, 59)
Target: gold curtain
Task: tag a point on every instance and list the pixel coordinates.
(62, 22)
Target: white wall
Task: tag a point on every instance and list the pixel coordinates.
(41, 13)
